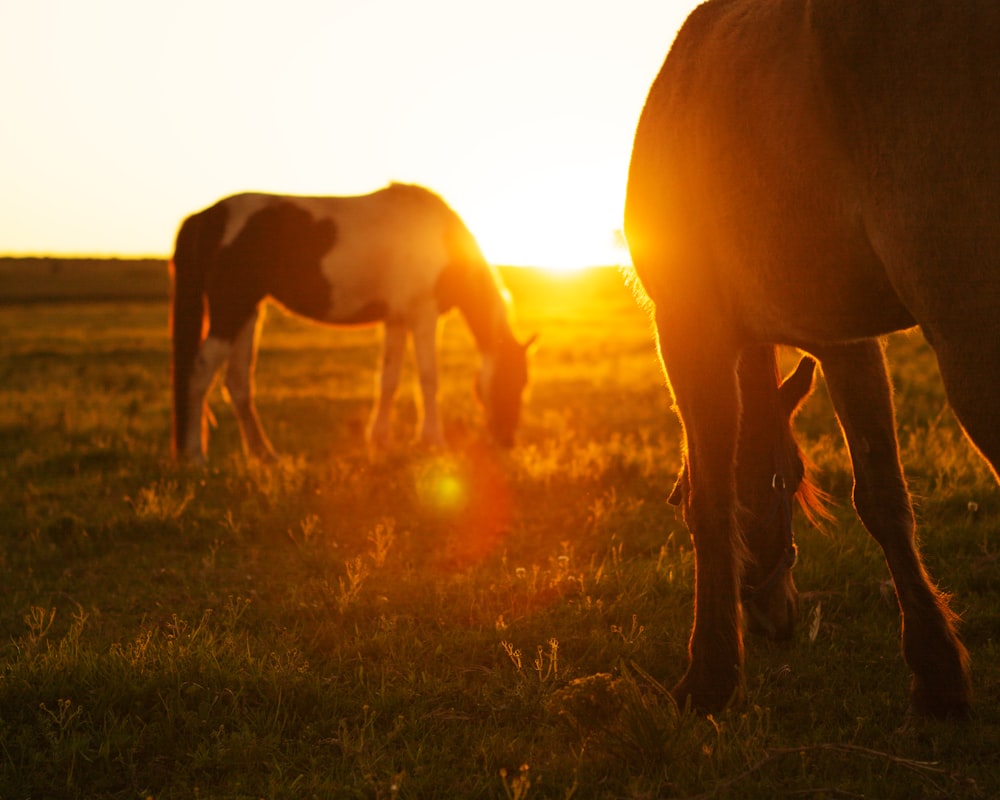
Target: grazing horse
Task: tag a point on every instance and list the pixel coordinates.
(399, 256)
(817, 173)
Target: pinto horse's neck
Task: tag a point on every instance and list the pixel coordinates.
(477, 295)
(477, 292)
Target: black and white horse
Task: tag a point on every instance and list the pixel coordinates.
(399, 256)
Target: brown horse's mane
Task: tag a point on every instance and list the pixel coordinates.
(814, 502)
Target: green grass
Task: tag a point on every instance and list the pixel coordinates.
(468, 625)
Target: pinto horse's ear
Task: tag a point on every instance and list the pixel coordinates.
(796, 387)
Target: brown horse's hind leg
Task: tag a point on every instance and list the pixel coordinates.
(861, 393)
(239, 385)
(703, 380)
(971, 375)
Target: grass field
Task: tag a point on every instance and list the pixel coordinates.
(466, 625)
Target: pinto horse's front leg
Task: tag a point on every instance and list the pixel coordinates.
(706, 393)
(240, 386)
(425, 343)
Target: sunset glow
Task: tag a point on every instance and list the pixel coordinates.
(569, 232)
(121, 118)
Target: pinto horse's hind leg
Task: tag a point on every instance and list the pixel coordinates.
(240, 386)
(212, 354)
(861, 392)
(393, 350)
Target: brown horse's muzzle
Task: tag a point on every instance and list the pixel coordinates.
(772, 612)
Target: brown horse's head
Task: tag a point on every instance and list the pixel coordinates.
(501, 387)
(770, 473)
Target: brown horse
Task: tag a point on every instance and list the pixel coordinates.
(818, 174)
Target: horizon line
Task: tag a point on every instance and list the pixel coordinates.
(166, 258)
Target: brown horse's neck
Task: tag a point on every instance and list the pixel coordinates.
(767, 450)
(759, 393)
(763, 450)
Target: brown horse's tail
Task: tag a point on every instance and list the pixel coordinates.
(197, 241)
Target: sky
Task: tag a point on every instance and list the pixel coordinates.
(120, 117)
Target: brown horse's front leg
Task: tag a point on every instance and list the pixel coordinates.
(707, 397)
(861, 393)
(714, 677)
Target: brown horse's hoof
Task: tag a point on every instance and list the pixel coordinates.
(955, 704)
(706, 697)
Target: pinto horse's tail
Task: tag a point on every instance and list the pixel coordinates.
(197, 240)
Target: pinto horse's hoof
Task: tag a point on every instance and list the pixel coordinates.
(266, 457)
(430, 444)
(192, 459)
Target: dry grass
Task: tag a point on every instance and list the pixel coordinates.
(467, 625)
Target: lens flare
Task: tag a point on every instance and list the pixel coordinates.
(466, 493)
(443, 486)
(450, 492)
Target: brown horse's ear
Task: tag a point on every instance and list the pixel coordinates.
(797, 386)
(526, 345)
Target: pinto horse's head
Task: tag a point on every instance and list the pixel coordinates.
(501, 386)
(770, 473)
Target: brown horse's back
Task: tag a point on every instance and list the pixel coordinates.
(924, 133)
(822, 170)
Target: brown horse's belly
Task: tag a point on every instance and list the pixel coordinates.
(842, 320)
(840, 299)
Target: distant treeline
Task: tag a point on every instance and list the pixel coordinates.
(88, 280)
(56, 279)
